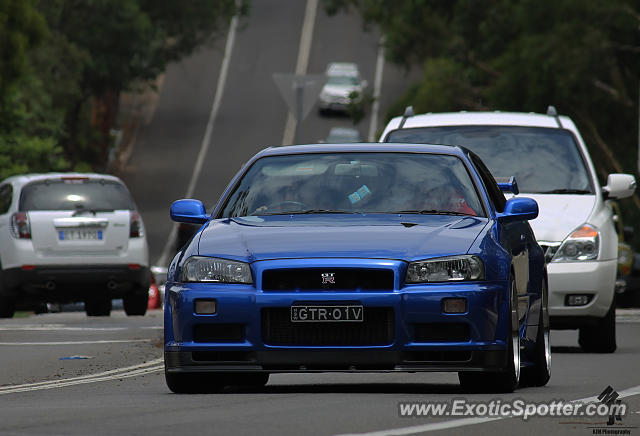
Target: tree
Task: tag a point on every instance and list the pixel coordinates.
(21, 28)
(108, 45)
(27, 131)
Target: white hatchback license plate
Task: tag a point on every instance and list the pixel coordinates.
(80, 235)
(349, 313)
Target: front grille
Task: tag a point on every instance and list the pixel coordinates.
(441, 332)
(377, 328)
(218, 333)
(339, 279)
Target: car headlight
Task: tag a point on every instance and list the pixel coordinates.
(582, 244)
(446, 269)
(214, 270)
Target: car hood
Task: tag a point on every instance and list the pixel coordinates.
(560, 214)
(340, 90)
(407, 237)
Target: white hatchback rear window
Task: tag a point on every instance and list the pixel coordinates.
(74, 194)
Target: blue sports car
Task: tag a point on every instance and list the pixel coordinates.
(359, 258)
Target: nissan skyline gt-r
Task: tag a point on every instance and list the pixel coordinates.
(359, 258)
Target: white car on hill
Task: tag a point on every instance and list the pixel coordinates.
(70, 237)
(343, 79)
(575, 227)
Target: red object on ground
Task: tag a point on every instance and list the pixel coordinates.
(154, 295)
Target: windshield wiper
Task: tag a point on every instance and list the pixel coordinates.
(566, 191)
(82, 210)
(433, 212)
(310, 211)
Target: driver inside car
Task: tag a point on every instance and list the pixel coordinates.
(443, 198)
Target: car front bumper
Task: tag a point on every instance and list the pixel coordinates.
(334, 103)
(595, 279)
(420, 337)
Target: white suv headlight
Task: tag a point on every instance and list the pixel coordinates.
(582, 244)
(446, 269)
(214, 270)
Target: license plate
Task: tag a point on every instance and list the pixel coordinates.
(349, 313)
(80, 235)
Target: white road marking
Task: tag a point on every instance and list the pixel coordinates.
(114, 374)
(57, 327)
(470, 421)
(304, 49)
(206, 140)
(107, 341)
(628, 315)
(377, 91)
(427, 427)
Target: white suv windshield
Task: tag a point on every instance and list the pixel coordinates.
(75, 194)
(543, 160)
(355, 183)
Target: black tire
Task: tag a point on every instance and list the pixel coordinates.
(507, 380)
(135, 303)
(98, 306)
(7, 302)
(540, 373)
(600, 338)
(194, 383)
(7, 306)
(40, 308)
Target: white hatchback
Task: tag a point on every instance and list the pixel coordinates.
(69, 237)
(575, 227)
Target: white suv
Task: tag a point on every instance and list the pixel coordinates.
(71, 237)
(551, 164)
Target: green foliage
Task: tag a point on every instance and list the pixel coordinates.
(20, 154)
(358, 105)
(21, 28)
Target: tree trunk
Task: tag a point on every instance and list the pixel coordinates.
(73, 118)
(104, 113)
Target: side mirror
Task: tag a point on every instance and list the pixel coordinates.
(619, 186)
(189, 211)
(519, 209)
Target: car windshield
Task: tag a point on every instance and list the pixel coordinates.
(543, 160)
(355, 183)
(342, 80)
(75, 194)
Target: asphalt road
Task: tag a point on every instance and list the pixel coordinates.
(117, 387)
(66, 374)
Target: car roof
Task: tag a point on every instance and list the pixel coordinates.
(481, 118)
(344, 131)
(23, 179)
(363, 147)
(342, 69)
